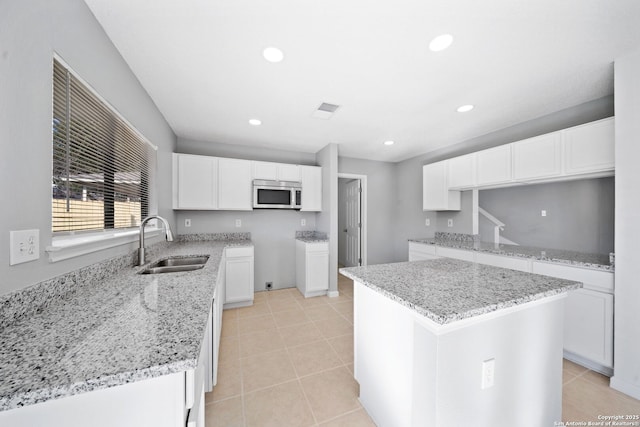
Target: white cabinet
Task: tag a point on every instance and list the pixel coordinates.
(276, 171)
(462, 172)
(455, 253)
(312, 268)
(493, 166)
(195, 182)
(211, 377)
(421, 251)
(311, 177)
(588, 326)
(234, 184)
(436, 195)
(537, 158)
(512, 263)
(239, 286)
(590, 148)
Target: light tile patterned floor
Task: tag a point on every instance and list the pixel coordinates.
(288, 361)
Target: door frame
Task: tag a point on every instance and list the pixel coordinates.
(363, 212)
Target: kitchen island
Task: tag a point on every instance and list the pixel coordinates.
(451, 343)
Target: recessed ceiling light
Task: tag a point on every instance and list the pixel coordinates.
(465, 108)
(441, 42)
(255, 122)
(389, 142)
(273, 54)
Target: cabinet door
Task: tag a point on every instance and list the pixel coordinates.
(494, 165)
(537, 157)
(239, 280)
(234, 184)
(317, 271)
(435, 190)
(265, 170)
(311, 188)
(462, 171)
(288, 172)
(588, 328)
(195, 182)
(590, 148)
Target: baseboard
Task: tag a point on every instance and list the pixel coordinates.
(333, 294)
(588, 363)
(632, 390)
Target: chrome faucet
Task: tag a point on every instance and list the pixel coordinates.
(167, 231)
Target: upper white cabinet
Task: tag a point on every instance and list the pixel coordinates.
(311, 188)
(590, 147)
(538, 157)
(462, 171)
(234, 184)
(195, 182)
(276, 171)
(436, 195)
(493, 166)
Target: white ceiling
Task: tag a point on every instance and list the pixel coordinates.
(515, 60)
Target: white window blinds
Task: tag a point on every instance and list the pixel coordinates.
(100, 176)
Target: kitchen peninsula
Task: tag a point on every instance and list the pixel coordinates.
(445, 342)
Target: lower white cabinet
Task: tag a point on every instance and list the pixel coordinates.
(588, 326)
(239, 286)
(421, 252)
(312, 268)
(588, 323)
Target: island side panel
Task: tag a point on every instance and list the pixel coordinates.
(414, 372)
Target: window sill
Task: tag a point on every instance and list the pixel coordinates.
(65, 247)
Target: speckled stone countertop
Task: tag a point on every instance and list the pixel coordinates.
(112, 330)
(586, 260)
(447, 290)
(311, 236)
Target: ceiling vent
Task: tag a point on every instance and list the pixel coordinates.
(325, 111)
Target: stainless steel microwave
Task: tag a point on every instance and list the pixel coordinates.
(276, 194)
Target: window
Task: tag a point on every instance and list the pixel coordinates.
(101, 164)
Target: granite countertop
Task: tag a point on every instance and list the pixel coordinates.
(311, 236)
(111, 330)
(447, 290)
(580, 259)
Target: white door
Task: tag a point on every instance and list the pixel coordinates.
(353, 223)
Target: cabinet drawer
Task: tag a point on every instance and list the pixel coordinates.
(317, 247)
(456, 253)
(422, 248)
(512, 263)
(599, 280)
(239, 252)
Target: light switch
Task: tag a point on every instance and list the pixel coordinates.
(187, 222)
(543, 213)
(450, 223)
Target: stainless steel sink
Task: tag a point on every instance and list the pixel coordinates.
(176, 264)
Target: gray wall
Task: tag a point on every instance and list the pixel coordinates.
(327, 220)
(411, 218)
(627, 294)
(31, 31)
(272, 231)
(381, 207)
(580, 214)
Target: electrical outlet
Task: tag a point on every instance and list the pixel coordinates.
(187, 223)
(268, 285)
(238, 223)
(543, 213)
(488, 373)
(427, 222)
(303, 222)
(450, 222)
(24, 246)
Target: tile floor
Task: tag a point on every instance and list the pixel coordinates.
(288, 361)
